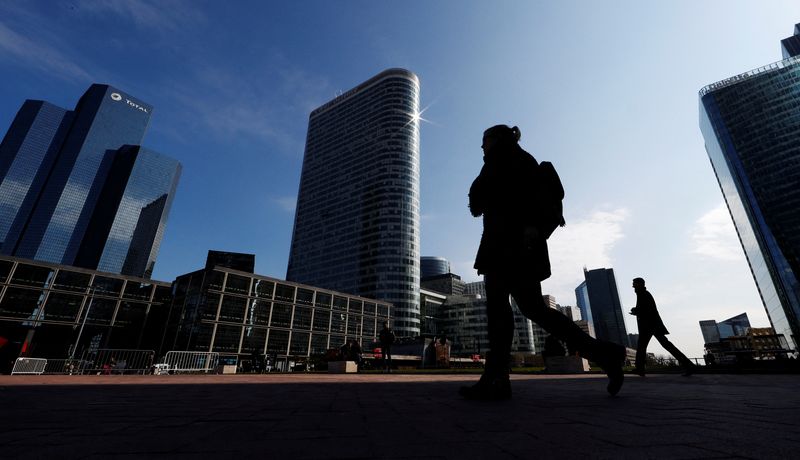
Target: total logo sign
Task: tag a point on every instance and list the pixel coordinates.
(118, 97)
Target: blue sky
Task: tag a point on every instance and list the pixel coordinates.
(607, 91)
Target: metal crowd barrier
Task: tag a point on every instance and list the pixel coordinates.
(29, 366)
(61, 366)
(112, 361)
(191, 361)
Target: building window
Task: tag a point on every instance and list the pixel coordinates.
(299, 344)
(226, 339)
(71, 281)
(232, 309)
(62, 307)
(21, 303)
(31, 275)
(278, 341)
(281, 315)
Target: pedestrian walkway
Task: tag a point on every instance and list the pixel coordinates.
(397, 416)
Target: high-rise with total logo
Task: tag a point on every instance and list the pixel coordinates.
(751, 126)
(356, 228)
(598, 301)
(76, 188)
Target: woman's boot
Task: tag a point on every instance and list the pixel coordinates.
(494, 384)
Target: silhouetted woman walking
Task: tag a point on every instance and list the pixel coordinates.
(514, 259)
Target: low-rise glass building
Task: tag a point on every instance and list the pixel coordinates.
(235, 313)
(47, 310)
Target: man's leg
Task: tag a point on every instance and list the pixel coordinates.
(641, 352)
(388, 358)
(609, 356)
(687, 364)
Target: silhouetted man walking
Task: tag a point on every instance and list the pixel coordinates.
(387, 340)
(651, 325)
(517, 220)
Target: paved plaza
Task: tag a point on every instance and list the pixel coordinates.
(397, 416)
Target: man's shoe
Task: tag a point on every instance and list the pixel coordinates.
(639, 372)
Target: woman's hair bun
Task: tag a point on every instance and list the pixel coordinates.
(504, 133)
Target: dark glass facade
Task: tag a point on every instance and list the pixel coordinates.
(61, 170)
(44, 306)
(235, 260)
(127, 225)
(603, 302)
(791, 46)
(27, 153)
(582, 299)
(433, 266)
(238, 313)
(356, 227)
(751, 126)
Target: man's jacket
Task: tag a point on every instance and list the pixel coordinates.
(647, 316)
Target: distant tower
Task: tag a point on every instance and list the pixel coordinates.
(356, 228)
(604, 307)
(433, 266)
(582, 299)
(751, 129)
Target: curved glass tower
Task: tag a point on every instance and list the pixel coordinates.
(433, 266)
(356, 227)
(751, 125)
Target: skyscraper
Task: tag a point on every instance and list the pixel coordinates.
(599, 296)
(27, 153)
(356, 228)
(127, 225)
(582, 299)
(79, 189)
(751, 127)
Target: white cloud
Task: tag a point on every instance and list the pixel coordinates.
(714, 236)
(231, 105)
(584, 243)
(40, 56)
(164, 16)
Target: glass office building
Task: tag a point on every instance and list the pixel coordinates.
(751, 126)
(43, 308)
(58, 168)
(598, 298)
(27, 153)
(356, 228)
(235, 313)
(433, 266)
(126, 228)
(582, 299)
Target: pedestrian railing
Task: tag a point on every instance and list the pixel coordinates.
(29, 366)
(114, 361)
(191, 361)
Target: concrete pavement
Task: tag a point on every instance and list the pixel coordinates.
(397, 416)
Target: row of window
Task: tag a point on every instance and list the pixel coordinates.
(223, 338)
(37, 276)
